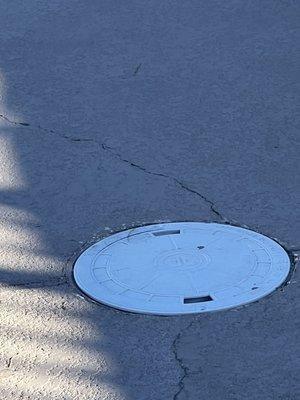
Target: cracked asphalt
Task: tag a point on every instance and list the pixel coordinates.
(115, 114)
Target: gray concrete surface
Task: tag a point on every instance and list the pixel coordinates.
(117, 113)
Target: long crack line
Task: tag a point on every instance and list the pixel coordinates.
(179, 360)
(176, 180)
(36, 284)
(52, 132)
(105, 147)
(39, 127)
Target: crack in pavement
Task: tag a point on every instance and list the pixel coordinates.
(179, 360)
(8, 362)
(137, 69)
(36, 284)
(105, 147)
(294, 249)
(51, 131)
(176, 180)
(26, 124)
(13, 122)
(185, 370)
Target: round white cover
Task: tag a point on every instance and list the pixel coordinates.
(181, 268)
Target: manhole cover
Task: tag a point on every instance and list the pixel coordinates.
(181, 268)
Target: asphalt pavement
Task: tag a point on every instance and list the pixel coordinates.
(114, 114)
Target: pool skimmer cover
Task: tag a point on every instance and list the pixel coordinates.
(181, 268)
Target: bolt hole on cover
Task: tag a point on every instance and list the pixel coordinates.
(181, 268)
